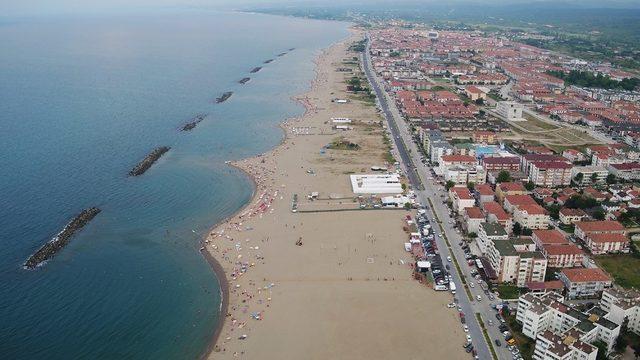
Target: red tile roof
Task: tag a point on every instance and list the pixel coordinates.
(605, 225)
(511, 186)
(567, 249)
(494, 208)
(474, 212)
(605, 238)
(585, 275)
(550, 237)
(520, 200)
(484, 189)
(458, 158)
(533, 209)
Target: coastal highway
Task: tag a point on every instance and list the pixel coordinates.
(418, 175)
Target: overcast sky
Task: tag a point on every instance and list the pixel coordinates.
(41, 7)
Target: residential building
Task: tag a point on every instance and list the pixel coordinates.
(489, 232)
(584, 283)
(511, 111)
(531, 216)
(447, 161)
(496, 214)
(563, 256)
(600, 244)
(626, 171)
(562, 332)
(622, 304)
(550, 174)
(473, 217)
(511, 202)
(570, 216)
(484, 137)
(461, 198)
(464, 174)
(586, 228)
(501, 163)
(509, 188)
(514, 261)
(484, 193)
(589, 174)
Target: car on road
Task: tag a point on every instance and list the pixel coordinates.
(498, 343)
(471, 285)
(468, 338)
(490, 322)
(466, 328)
(449, 258)
(479, 298)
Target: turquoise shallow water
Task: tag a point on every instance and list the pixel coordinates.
(82, 100)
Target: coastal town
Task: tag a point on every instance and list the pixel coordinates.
(536, 178)
(499, 189)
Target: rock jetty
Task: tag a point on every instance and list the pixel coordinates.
(256, 69)
(267, 61)
(149, 160)
(224, 97)
(282, 54)
(62, 239)
(244, 80)
(193, 122)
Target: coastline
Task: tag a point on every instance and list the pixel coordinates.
(300, 283)
(215, 265)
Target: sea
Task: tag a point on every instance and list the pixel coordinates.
(82, 100)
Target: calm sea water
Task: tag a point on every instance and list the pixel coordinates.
(81, 102)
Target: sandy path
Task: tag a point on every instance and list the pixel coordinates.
(344, 293)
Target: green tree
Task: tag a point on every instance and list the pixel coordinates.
(503, 176)
(611, 179)
(594, 178)
(449, 185)
(530, 185)
(471, 185)
(517, 229)
(473, 235)
(527, 232)
(599, 214)
(407, 205)
(578, 178)
(602, 350)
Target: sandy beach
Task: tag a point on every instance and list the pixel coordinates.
(347, 291)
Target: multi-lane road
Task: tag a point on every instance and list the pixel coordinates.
(426, 188)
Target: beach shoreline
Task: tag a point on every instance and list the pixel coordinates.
(215, 265)
(345, 273)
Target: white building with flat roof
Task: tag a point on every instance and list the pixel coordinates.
(376, 184)
(511, 110)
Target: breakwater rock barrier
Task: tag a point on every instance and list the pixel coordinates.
(56, 244)
(149, 160)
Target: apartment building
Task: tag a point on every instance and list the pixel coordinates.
(600, 244)
(516, 261)
(489, 232)
(590, 175)
(626, 171)
(501, 163)
(461, 198)
(584, 283)
(473, 217)
(509, 188)
(622, 304)
(562, 332)
(586, 228)
(570, 216)
(550, 174)
(531, 216)
(484, 193)
(496, 214)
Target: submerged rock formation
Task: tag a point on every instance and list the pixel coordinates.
(244, 80)
(256, 69)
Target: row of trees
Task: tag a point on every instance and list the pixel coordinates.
(589, 79)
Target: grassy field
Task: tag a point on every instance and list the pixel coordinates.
(625, 269)
(508, 291)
